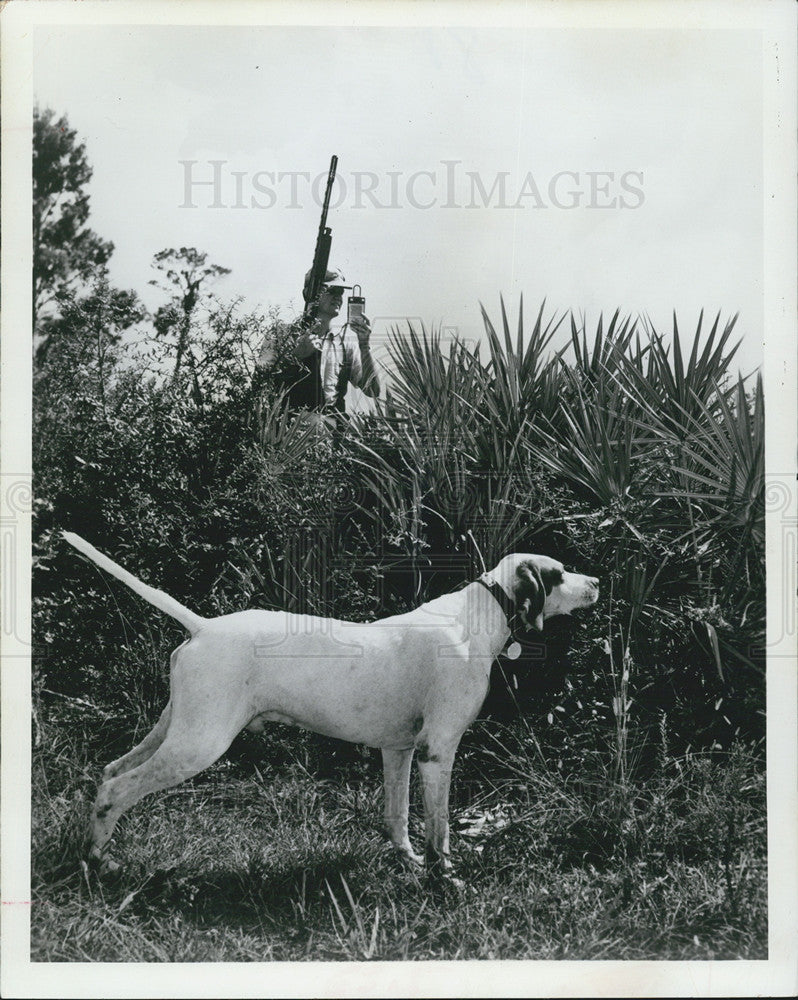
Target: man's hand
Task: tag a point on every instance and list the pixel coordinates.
(308, 342)
(362, 328)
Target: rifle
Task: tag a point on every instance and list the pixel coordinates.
(321, 255)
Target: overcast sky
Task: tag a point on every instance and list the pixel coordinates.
(620, 167)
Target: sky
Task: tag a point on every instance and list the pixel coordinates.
(596, 169)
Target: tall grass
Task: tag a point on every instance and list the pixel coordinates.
(260, 862)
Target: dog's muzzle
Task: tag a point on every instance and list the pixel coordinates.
(591, 592)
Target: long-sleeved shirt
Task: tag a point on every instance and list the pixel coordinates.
(337, 354)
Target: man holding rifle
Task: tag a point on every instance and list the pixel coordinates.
(334, 355)
(328, 357)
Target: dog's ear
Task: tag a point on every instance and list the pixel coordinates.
(531, 594)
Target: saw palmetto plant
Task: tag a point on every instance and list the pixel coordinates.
(644, 458)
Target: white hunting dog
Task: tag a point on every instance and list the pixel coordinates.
(410, 682)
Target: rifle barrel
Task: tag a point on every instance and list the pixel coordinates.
(328, 192)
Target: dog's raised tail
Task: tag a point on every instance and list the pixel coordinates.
(162, 601)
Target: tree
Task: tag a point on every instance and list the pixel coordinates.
(66, 252)
(185, 272)
(88, 330)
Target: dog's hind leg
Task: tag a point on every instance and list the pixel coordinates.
(182, 754)
(396, 766)
(142, 751)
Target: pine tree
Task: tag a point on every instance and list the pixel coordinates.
(67, 253)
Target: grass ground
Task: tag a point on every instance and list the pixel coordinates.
(254, 861)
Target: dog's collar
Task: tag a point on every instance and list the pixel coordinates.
(512, 649)
(500, 595)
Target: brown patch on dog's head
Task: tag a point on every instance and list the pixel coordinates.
(531, 593)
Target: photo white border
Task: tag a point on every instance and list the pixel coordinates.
(778, 976)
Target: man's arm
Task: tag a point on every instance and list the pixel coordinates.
(369, 382)
(364, 376)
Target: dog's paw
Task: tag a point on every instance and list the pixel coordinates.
(103, 866)
(407, 855)
(440, 872)
(411, 857)
(443, 883)
(453, 882)
(110, 868)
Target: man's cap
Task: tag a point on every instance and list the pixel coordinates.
(332, 279)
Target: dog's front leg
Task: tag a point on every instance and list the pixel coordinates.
(396, 766)
(435, 767)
